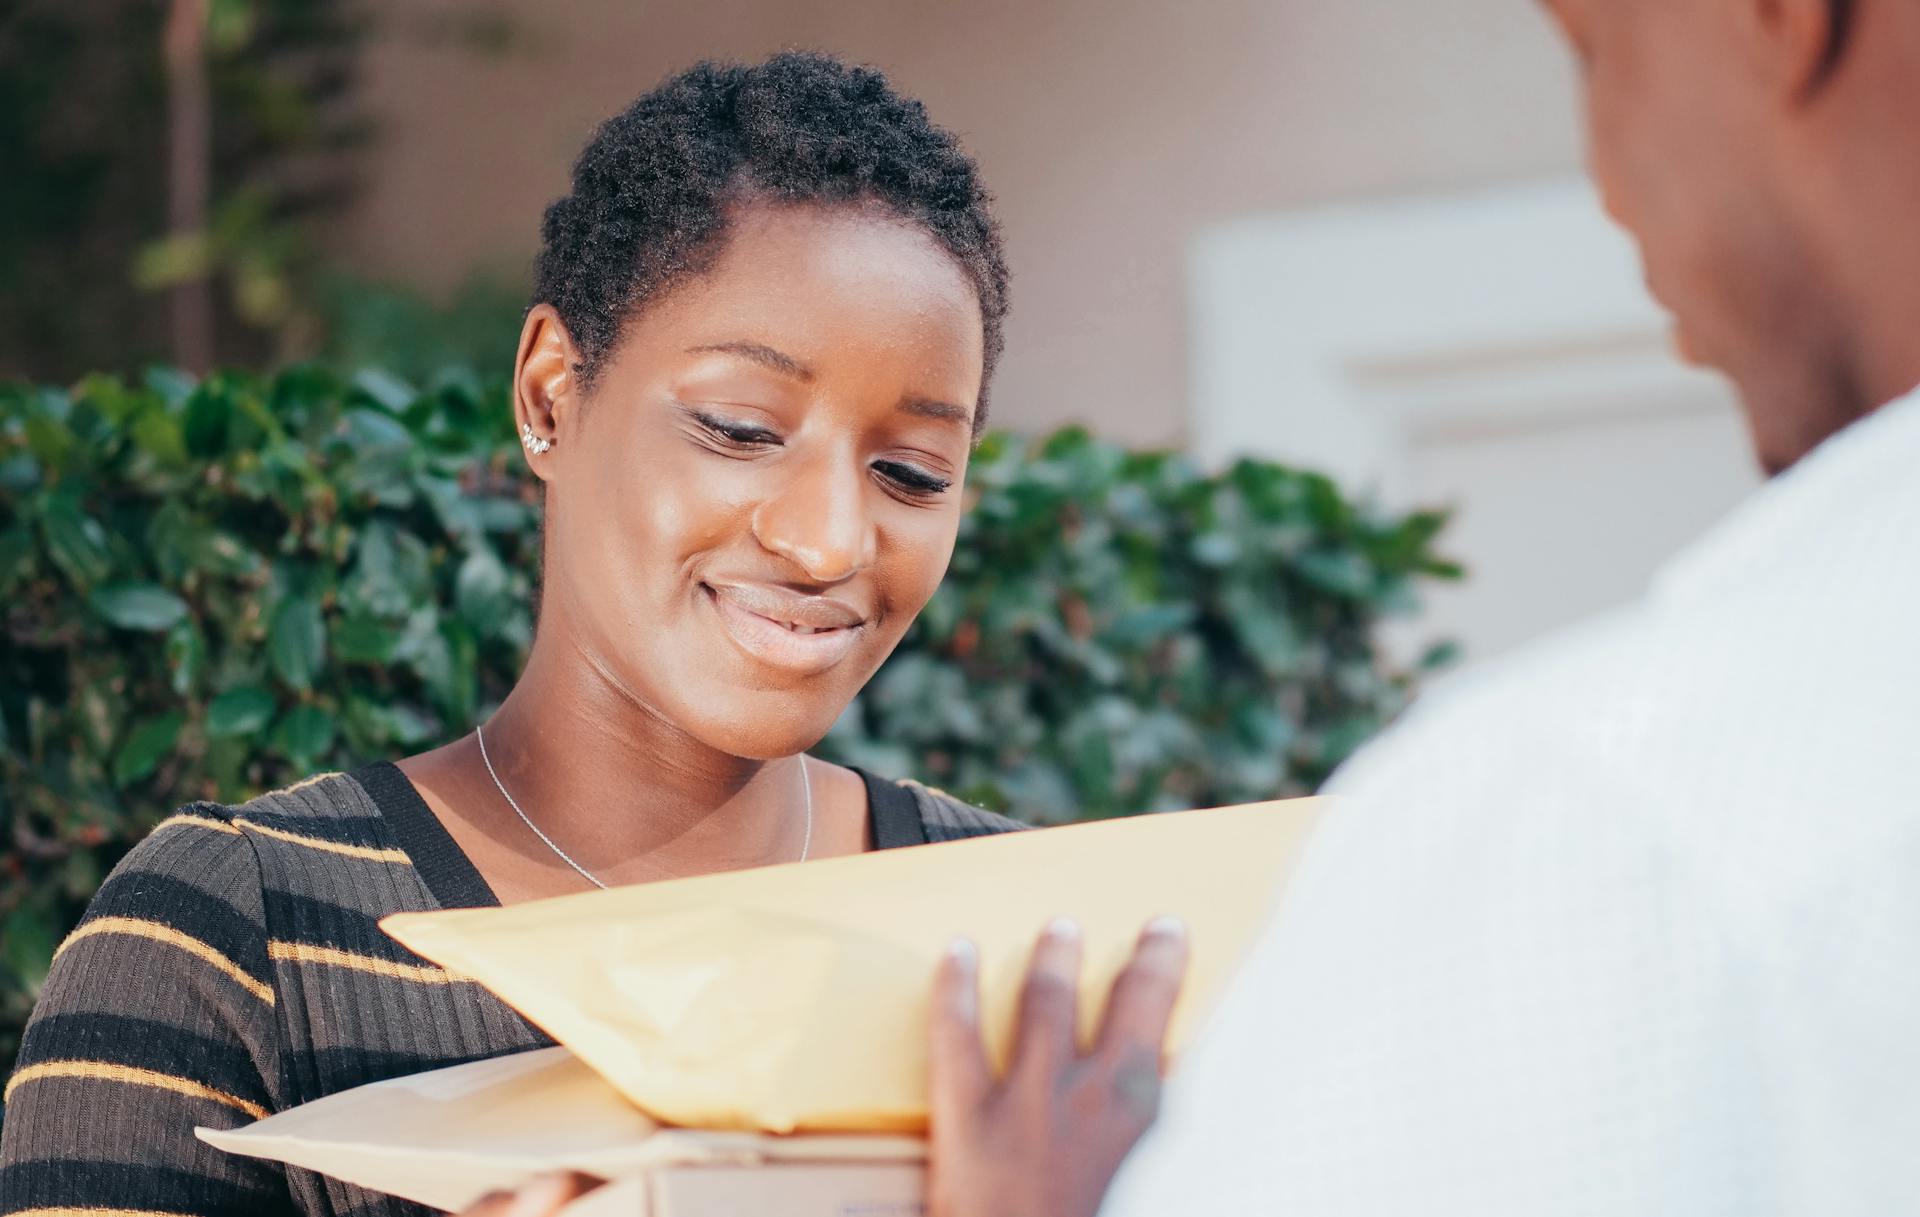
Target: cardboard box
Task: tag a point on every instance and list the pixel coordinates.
(450, 1136)
(825, 1190)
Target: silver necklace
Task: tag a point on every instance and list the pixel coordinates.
(806, 790)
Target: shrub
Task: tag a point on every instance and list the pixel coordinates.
(215, 589)
(1120, 632)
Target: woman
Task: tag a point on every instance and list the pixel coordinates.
(764, 322)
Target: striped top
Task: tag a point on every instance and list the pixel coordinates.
(232, 966)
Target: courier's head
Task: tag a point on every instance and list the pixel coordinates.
(1763, 154)
(763, 327)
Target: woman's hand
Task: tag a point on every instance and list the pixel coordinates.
(1046, 1140)
(544, 1197)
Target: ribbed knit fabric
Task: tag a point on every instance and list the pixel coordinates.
(232, 966)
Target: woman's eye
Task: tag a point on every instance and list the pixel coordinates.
(739, 435)
(912, 479)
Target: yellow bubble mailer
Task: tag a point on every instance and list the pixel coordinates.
(795, 998)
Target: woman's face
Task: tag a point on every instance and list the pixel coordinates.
(763, 487)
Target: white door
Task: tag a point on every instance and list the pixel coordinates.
(1495, 352)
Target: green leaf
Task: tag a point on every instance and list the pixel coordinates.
(208, 421)
(76, 543)
(381, 475)
(99, 716)
(359, 638)
(1268, 634)
(19, 474)
(16, 558)
(386, 728)
(481, 591)
(297, 641)
(241, 711)
(393, 574)
(222, 553)
(411, 727)
(186, 657)
(50, 441)
(460, 690)
(306, 734)
(150, 743)
(139, 606)
(1215, 549)
(173, 385)
(159, 435)
(1439, 655)
(1342, 572)
(384, 387)
(29, 939)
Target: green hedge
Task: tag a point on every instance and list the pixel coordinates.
(215, 589)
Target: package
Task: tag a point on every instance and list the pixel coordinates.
(778, 1190)
(755, 1042)
(795, 998)
(447, 1138)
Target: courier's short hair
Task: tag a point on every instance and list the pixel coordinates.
(655, 187)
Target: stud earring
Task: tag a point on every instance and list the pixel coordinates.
(531, 442)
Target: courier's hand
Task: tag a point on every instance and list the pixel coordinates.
(1046, 1140)
(543, 1197)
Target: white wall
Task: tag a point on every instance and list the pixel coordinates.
(1494, 350)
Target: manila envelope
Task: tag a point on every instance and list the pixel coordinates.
(795, 998)
(448, 1137)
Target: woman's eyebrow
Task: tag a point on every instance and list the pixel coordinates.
(765, 356)
(927, 407)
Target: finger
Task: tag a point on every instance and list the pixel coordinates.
(549, 1194)
(1046, 1032)
(493, 1204)
(1144, 994)
(959, 1076)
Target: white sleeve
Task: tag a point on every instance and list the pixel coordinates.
(1500, 985)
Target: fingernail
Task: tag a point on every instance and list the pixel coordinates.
(963, 952)
(1066, 929)
(1166, 927)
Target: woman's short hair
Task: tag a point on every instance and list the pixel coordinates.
(654, 188)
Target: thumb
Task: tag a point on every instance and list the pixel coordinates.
(548, 1194)
(959, 1075)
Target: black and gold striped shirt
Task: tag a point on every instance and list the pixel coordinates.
(232, 966)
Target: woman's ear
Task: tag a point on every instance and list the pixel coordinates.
(545, 402)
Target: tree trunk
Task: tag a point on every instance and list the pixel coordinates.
(189, 175)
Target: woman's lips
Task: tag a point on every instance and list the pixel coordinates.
(779, 640)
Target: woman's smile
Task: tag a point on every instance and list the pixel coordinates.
(800, 634)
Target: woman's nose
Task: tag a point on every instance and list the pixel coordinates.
(820, 523)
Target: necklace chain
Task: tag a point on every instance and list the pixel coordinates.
(806, 790)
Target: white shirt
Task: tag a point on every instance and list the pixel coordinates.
(1626, 925)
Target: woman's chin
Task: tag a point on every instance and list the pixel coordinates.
(765, 733)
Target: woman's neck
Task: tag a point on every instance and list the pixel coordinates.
(586, 757)
(626, 794)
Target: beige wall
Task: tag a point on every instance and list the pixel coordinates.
(1111, 129)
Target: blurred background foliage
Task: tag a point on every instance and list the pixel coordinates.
(217, 582)
(217, 587)
(170, 166)
(1120, 633)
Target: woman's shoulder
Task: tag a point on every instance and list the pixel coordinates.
(219, 847)
(946, 818)
(335, 813)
